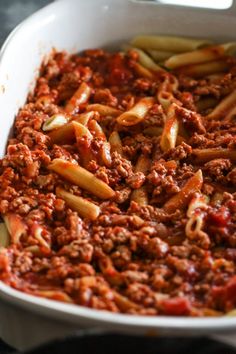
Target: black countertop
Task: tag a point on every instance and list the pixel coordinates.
(13, 12)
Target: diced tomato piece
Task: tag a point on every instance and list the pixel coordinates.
(220, 217)
(177, 306)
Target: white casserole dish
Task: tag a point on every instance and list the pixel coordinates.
(73, 25)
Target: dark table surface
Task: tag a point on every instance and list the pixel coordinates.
(11, 13)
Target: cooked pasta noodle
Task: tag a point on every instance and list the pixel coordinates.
(137, 113)
(83, 207)
(81, 177)
(169, 43)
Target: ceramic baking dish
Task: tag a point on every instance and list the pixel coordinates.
(74, 25)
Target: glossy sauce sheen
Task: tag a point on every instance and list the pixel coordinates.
(131, 259)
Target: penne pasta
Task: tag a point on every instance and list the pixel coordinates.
(231, 115)
(181, 199)
(142, 71)
(169, 43)
(96, 129)
(166, 99)
(170, 130)
(201, 70)
(15, 226)
(66, 133)
(145, 60)
(159, 55)
(82, 178)
(200, 201)
(227, 104)
(82, 206)
(205, 155)
(196, 57)
(140, 195)
(231, 313)
(54, 295)
(54, 122)
(137, 113)
(37, 234)
(143, 164)
(123, 302)
(81, 131)
(104, 110)
(106, 154)
(194, 230)
(115, 142)
(4, 235)
(169, 84)
(80, 96)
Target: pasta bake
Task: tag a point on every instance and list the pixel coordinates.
(118, 185)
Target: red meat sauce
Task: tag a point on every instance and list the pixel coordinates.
(134, 259)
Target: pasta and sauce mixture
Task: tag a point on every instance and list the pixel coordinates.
(118, 188)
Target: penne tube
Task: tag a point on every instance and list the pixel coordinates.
(54, 295)
(54, 122)
(84, 118)
(137, 113)
(194, 230)
(201, 70)
(231, 115)
(15, 226)
(166, 99)
(140, 195)
(37, 234)
(80, 96)
(66, 133)
(206, 103)
(81, 131)
(195, 57)
(83, 146)
(109, 271)
(169, 84)
(4, 235)
(223, 107)
(96, 129)
(170, 130)
(230, 48)
(153, 131)
(181, 199)
(205, 155)
(104, 110)
(142, 71)
(115, 142)
(82, 178)
(169, 43)
(106, 154)
(83, 207)
(231, 313)
(145, 60)
(124, 303)
(142, 164)
(159, 55)
(200, 201)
